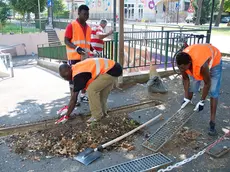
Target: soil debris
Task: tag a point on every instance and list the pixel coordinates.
(68, 140)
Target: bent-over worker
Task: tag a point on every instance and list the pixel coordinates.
(201, 62)
(97, 76)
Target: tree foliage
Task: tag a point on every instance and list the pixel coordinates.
(4, 9)
(227, 6)
(205, 10)
(58, 7)
(27, 6)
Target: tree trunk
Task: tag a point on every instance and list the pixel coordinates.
(36, 15)
(28, 16)
(217, 22)
(199, 12)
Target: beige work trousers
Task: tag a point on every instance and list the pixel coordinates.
(98, 92)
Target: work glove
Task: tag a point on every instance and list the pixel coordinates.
(80, 50)
(199, 106)
(185, 102)
(62, 120)
(95, 53)
(62, 111)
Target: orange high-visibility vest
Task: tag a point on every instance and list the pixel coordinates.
(79, 39)
(96, 66)
(201, 53)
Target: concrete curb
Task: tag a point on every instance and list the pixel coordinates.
(135, 77)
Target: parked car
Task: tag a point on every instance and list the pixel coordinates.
(225, 19)
(189, 19)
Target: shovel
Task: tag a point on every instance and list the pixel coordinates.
(89, 155)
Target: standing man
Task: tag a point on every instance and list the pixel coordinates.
(77, 40)
(97, 36)
(201, 62)
(97, 76)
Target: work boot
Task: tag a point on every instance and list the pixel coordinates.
(92, 119)
(212, 131)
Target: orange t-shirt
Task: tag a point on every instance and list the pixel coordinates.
(201, 53)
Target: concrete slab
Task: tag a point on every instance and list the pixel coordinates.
(35, 94)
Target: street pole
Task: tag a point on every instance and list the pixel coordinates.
(210, 24)
(114, 14)
(51, 10)
(40, 27)
(178, 9)
(121, 38)
(121, 33)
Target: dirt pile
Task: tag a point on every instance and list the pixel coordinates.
(68, 140)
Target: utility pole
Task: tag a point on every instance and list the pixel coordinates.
(39, 16)
(114, 14)
(210, 24)
(121, 37)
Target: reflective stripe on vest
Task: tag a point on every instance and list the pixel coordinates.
(212, 58)
(98, 67)
(81, 42)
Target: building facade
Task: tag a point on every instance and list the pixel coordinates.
(136, 10)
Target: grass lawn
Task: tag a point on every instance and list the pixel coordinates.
(221, 31)
(16, 28)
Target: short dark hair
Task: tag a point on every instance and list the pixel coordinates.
(103, 21)
(63, 67)
(183, 58)
(83, 7)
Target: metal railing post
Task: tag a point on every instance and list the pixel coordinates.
(115, 45)
(11, 65)
(166, 50)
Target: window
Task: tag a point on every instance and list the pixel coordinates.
(129, 11)
(186, 6)
(140, 11)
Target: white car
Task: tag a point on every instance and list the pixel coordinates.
(189, 19)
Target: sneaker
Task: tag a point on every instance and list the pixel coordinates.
(212, 131)
(62, 111)
(84, 99)
(62, 120)
(92, 119)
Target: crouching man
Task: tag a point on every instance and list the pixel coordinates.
(97, 76)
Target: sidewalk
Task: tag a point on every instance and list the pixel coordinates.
(36, 94)
(45, 97)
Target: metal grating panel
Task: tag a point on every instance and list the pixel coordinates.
(143, 164)
(169, 128)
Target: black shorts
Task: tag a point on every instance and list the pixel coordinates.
(72, 62)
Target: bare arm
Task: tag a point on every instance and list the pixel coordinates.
(69, 43)
(186, 84)
(207, 80)
(72, 103)
(102, 36)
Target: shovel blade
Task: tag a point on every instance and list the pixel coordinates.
(88, 156)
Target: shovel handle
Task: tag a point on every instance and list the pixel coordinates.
(130, 132)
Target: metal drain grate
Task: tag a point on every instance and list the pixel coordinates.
(143, 164)
(168, 129)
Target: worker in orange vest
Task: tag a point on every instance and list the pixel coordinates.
(97, 76)
(77, 40)
(201, 62)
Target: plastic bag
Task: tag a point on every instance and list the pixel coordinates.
(155, 85)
